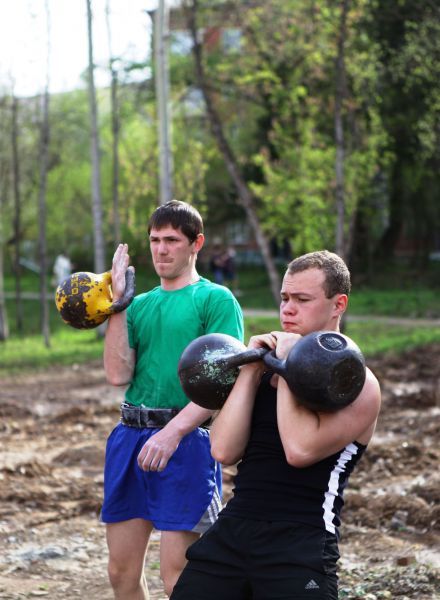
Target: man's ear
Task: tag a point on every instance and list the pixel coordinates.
(198, 242)
(341, 302)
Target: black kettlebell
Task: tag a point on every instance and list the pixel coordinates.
(325, 370)
(208, 367)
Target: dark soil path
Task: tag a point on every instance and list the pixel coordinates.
(53, 429)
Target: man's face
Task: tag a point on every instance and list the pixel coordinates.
(304, 307)
(172, 252)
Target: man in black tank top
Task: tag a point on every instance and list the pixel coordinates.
(277, 538)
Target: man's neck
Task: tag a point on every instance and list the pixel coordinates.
(171, 285)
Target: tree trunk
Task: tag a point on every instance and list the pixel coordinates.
(386, 246)
(245, 196)
(161, 76)
(4, 328)
(17, 215)
(99, 250)
(44, 152)
(340, 93)
(115, 132)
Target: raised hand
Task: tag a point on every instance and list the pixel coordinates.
(121, 260)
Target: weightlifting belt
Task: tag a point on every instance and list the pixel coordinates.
(140, 417)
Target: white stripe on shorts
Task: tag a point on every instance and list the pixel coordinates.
(210, 515)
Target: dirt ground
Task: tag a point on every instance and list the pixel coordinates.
(53, 429)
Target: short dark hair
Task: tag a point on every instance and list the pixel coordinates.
(337, 276)
(180, 215)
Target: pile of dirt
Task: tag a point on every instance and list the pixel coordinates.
(53, 430)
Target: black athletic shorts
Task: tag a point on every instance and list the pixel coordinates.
(260, 560)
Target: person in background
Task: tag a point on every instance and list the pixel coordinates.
(277, 537)
(62, 268)
(159, 472)
(217, 263)
(230, 271)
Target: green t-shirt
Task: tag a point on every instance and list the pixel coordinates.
(161, 324)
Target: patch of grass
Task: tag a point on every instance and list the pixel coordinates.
(257, 325)
(67, 346)
(418, 302)
(375, 337)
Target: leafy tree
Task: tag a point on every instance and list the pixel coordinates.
(407, 34)
(275, 96)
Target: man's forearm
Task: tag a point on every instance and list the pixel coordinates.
(119, 358)
(231, 428)
(189, 418)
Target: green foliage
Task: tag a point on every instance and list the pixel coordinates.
(69, 217)
(407, 39)
(275, 93)
(192, 157)
(283, 81)
(295, 191)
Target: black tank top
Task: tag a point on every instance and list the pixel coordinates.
(267, 488)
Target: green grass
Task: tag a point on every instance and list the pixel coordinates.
(418, 302)
(375, 337)
(67, 347)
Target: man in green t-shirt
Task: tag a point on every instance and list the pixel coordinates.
(159, 472)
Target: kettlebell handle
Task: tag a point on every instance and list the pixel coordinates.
(125, 300)
(242, 358)
(274, 363)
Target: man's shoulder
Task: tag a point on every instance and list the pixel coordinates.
(209, 294)
(367, 404)
(372, 387)
(145, 297)
(208, 287)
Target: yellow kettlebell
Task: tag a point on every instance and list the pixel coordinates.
(85, 300)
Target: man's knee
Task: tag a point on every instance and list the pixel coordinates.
(116, 574)
(168, 586)
(169, 580)
(174, 545)
(122, 577)
(180, 589)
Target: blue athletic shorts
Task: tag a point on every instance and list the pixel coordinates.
(185, 496)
